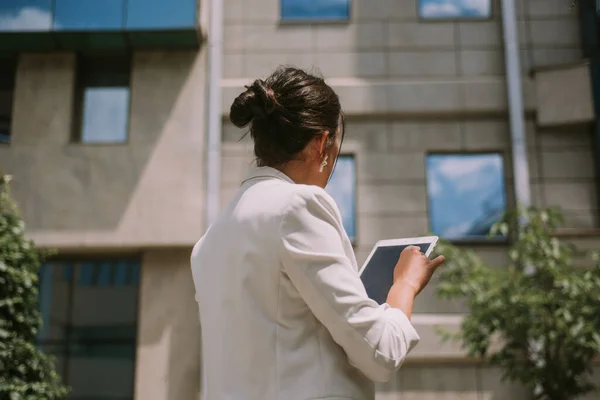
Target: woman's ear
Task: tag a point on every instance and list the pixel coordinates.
(322, 143)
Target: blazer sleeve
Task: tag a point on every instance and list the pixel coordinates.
(376, 338)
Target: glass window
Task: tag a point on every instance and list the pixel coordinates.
(90, 325)
(25, 15)
(342, 187)
(152, 14)
(455, 9)
(7, 86)
(467, 194)
(88, 15)
(315, 9)
(102, 102)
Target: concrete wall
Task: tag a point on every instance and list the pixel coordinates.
(168, 354)
(147, 192)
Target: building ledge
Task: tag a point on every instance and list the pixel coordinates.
(122, 40)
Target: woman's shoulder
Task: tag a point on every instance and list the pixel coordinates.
(313, 198)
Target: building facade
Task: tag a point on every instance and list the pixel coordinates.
(103, 126)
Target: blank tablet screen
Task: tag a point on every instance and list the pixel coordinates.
(378, 274)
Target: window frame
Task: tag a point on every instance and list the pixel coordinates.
(353, 156)
(83, 61)
(318, 20)
(423, 19)
(68, 344)
(471, 240)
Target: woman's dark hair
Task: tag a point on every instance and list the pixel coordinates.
(286, 111)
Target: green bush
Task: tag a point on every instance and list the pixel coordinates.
(25, 372)
(539, 318)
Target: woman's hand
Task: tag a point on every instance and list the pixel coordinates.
(414, 269)
(412, 273)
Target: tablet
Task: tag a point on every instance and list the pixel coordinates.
(377, 273)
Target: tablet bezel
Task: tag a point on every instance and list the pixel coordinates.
(432, 240)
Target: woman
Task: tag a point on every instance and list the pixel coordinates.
(283, 311)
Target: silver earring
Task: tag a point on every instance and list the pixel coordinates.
(324, 163)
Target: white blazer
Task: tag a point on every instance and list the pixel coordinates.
(283, 312)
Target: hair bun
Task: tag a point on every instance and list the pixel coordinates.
(258, 101)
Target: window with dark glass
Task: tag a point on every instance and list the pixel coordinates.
(89, 314)
(315, 10)
(81, 15)
(7, 87)
(153, 14)
(455, 9)
(25, 15)
(342, 187)
(102, 99)
(467, 194)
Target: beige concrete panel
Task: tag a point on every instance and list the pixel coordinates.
(485, 95)
(388, 199)
(361, 97)
(271, 37)
(107, 195)
(233, 65)
(233, 11)
(168, 352)
(480, 35)
(551, 57)
(352, 64)
(261, 65)
(564, 95)
(486, 135)
(422, 64)
(550, 8)
(482, 62)
(566, 138)
(568, 164)
(432, 347)
(572, 196)
(348, 37)
(437, 382)
(555, 32)
(372, 228)
(372, 136)
(234, 165)
(381, 167)
(425, 97)
(411, 35)
(429, 302)
(233, 35)
(43, 101)
(384, 10)
(426, 136)
(262, 11)
(582, 220)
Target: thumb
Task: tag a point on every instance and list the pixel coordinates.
(436, 262)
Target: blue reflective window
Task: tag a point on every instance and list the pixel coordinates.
(151, 14)
(467, 194)
(315, 9)
(86, 274)
(92, 328)
(342, 187)
(25, 15)
(104, 274)
(88, 15)
(455, 9)
(103, 99)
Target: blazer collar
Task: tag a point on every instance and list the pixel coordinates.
(256, 172)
